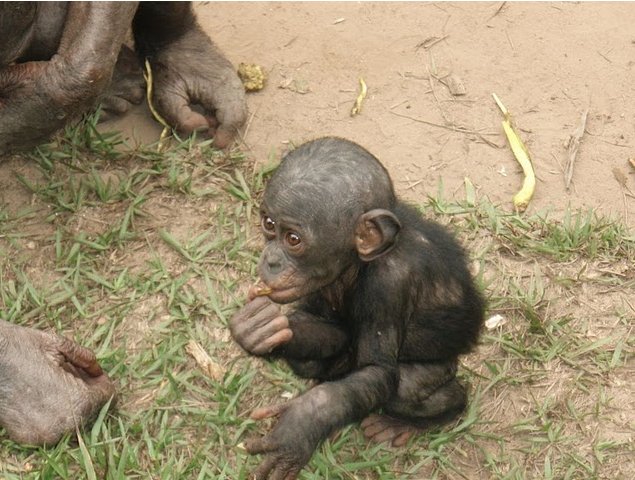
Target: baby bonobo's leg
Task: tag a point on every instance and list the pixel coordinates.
(429, 394)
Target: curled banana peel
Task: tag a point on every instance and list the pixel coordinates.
(522, 198)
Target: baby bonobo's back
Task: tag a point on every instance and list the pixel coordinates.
(385, 304)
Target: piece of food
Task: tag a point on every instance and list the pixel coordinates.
(252, 76)
(522, 198)
(357, 108)
(258, 290)
(262, 291)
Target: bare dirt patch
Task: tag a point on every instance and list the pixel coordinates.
(547, 61)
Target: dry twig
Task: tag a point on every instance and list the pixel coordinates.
(574, 145)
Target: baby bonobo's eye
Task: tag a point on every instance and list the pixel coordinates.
(268, 225)
(293, 239)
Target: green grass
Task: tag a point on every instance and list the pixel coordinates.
(135, 253)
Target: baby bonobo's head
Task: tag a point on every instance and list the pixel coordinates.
(327, 206)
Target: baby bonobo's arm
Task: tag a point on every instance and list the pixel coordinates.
(309, 419)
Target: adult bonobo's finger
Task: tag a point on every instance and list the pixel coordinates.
(225, 96)
(113, 106)
(269, 411)
(224, 136)
(172, 102)
(79, 357)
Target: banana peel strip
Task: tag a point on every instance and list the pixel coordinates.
(147, 75)
(363, 89)
(523, 196)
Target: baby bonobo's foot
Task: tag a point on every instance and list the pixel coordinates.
(384, 428)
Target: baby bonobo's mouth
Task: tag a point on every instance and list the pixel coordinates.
(287, 294)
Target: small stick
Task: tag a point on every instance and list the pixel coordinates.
(574, 145)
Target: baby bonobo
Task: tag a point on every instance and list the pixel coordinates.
(386, 304)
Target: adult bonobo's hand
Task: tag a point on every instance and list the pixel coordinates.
(260, 326)
(187, 70)
(49, 385)
(289, 446)
(39, 98)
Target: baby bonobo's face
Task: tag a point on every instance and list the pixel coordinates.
(310, 214)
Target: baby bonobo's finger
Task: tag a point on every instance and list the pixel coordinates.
(269, 411)
(256, 445)
(370, 420)
(402, 438)
(80, 357)
(262, 472)
(254, 305)
(279, 338)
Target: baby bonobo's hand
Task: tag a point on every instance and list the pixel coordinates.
(259, 327)
(289, 446)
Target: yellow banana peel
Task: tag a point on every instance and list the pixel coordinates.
(523, 196)
(363, 89)
(147, 75)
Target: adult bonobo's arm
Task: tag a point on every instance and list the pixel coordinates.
(189, 69)
(49, 385)
(38, 98)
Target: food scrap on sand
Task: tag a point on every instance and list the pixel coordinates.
(522, 198)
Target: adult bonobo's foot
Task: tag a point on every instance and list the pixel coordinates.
(49, 385)
(127, 86)
(188, 69)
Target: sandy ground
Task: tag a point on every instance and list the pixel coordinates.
(548, 62)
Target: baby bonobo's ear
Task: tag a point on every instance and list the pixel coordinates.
(375, 233)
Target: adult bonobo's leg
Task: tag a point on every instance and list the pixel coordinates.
(189, 69)
(127, 87)
(38, 98)
(49, 385)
